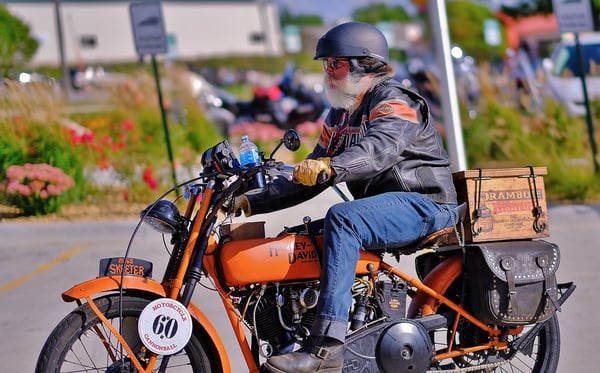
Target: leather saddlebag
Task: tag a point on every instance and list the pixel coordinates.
(512, 283)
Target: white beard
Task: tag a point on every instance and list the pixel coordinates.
(344, 94)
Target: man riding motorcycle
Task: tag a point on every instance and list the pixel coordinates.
(380, 140)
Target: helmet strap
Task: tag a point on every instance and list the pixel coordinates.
(355, 67)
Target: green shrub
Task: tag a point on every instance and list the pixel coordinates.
(504, 136)
(36, 189)
(31, 142)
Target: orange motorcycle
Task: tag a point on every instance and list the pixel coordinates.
(487, 306)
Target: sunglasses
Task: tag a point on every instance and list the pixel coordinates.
(332, 64)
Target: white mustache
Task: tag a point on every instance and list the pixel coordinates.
(343, 94)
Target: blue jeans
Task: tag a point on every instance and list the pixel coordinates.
(387, 220)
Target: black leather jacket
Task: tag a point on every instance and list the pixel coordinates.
(389, 143)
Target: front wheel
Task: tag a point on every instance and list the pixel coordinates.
(82, 343)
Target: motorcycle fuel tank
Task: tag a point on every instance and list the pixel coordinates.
(285, 258)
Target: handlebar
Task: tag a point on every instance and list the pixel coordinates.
(287, 172)
(280, 169)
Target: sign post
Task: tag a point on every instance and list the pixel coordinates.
(150, 38)
(148, 28)
(576, 16)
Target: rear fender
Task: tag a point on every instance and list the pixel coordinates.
(155, 290)
(439, 279)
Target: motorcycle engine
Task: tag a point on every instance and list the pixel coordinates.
(381, 339)
(283, 315)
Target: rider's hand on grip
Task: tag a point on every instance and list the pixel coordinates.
(312, 171)
(240, 203)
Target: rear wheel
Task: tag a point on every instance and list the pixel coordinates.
(539, 356)
(82, 343)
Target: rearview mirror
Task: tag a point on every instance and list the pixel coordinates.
(291, 140)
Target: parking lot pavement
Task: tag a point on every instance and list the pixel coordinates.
(38, 261)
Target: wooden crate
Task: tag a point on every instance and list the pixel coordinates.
(503, 204)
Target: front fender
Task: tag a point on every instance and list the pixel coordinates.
(112, 283)
(439, 279)
(149, 286)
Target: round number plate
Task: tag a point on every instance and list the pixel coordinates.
(165, 326)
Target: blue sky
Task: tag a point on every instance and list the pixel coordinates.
(331, 10)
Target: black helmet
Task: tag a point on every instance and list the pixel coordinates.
(353, 40)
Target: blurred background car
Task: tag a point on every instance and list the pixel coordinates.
(562, 72)
(33, 83)
(97, 77)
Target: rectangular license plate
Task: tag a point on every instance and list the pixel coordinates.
(131, 267)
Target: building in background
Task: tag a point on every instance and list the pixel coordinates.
(100, 32)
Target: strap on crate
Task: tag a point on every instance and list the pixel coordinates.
(478, 213)
(538, 225)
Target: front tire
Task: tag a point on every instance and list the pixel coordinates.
(75, 345)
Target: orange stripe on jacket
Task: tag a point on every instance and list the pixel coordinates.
(400, 109)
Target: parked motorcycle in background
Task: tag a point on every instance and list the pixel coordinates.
(485, 306)
(286, 103)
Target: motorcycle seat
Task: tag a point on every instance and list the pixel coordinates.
(438, 238)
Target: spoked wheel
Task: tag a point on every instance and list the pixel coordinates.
(539, 356)
(82, 343)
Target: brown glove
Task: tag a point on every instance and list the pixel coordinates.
(307, 171)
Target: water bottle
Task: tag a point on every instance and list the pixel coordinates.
(249, 157)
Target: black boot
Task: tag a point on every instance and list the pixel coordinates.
(325, 355)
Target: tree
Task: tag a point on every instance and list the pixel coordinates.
(17, 46)
(286, 18)
(465, 21)
(526, 8)
(380, 12)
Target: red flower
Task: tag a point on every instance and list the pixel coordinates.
(128, 125)
(75, 139)
(87, 137)
(149, 179)
(104, 164)
(153, 184)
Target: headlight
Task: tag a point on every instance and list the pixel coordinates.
(163, 216)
